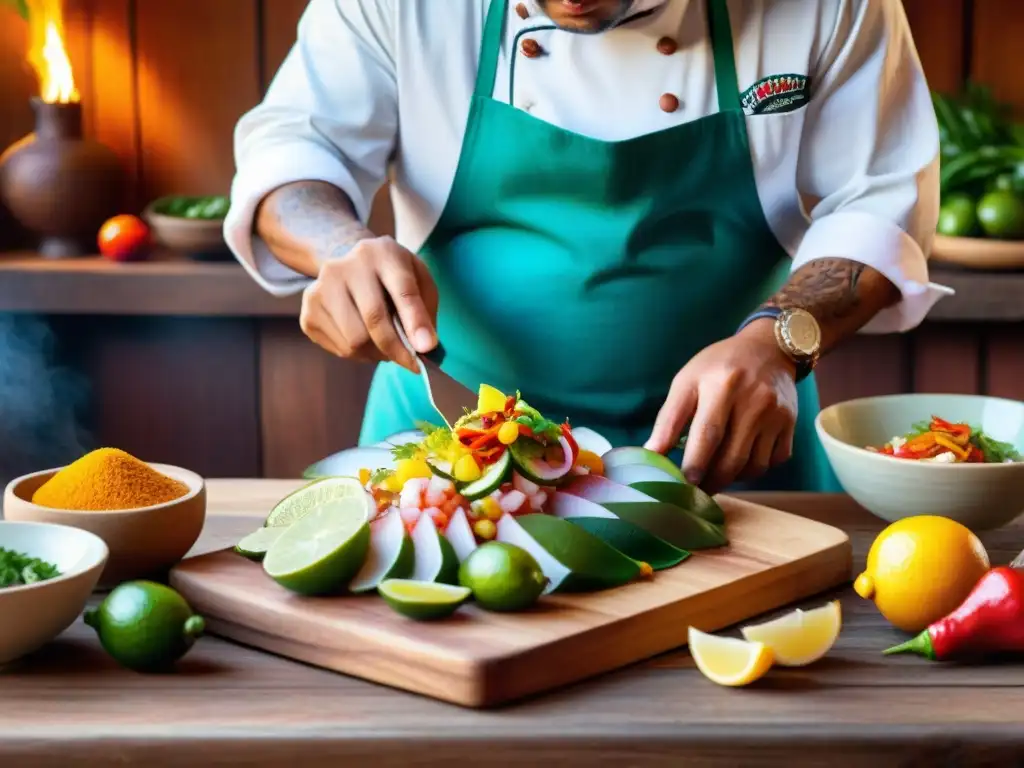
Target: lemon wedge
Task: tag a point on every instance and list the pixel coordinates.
(729, 660)
(490, 399)
(800, 637)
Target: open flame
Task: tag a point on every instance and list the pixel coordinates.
(47, 53)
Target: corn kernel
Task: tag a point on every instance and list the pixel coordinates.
(491, 508)
(485, 529)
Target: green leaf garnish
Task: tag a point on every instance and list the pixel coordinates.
(18, 569)
(380, 475)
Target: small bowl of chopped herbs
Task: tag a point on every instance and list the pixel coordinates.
(47, 573)
(957, 456)
(189, 224)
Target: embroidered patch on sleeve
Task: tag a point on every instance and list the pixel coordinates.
(778, 93)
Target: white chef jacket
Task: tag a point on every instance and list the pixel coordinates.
(376, 83)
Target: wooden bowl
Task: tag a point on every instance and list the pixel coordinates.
(32, 615)
(979, 253)
(143, 542)
(201, 237)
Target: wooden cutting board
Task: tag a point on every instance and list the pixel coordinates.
(481, 659)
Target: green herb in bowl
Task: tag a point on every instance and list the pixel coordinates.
(209, 208)
(18, 569)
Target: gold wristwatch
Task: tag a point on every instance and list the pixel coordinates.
(798, 335)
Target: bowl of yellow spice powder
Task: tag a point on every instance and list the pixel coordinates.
(149, 515)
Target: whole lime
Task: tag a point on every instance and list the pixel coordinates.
(1001, 214)
(957, 216)
(502, 577)
(145, 626)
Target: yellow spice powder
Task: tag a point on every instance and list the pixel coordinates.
(108, 478)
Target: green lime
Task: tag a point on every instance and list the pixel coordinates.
(503, 577)
(422, 600)
(145, 626)
(1001, 215)
(321, 552)
(297, 504)
(957, 217)
(255, 545)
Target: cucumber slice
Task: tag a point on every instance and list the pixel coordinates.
(528, 458)
(441, 468)
(491, 479)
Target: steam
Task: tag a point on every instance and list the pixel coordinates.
(40, 401)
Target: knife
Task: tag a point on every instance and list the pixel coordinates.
(449, 398)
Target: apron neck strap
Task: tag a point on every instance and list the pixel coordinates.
(490, 50)
(726, 80)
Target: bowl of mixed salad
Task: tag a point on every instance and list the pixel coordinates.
(959, 456)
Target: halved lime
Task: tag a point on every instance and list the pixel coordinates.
(320, 553)
(255, 545)
(297, 504)
(422, 600)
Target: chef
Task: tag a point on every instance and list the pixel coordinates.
(653, 217)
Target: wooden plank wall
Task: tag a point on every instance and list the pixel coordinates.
(163, 83)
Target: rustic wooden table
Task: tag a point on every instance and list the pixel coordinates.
(69, 705)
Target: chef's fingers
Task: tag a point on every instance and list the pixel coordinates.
(351, 337)
(707, 430)
(375, 311)
(784, 445)
(428, 289)
(316, 323)
(762, 450)
(746, 423)
(674, 415)
(398, 274)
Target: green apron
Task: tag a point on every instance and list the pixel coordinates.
(586, 273)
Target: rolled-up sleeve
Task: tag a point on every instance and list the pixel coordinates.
(329, 115)
(870, 158)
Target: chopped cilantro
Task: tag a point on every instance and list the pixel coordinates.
(996, 451)
(380, 475)
(406, 451)
(18, 569)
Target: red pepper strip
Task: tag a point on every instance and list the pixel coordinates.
(567, 434)
(989, 620)
(976, 456)
(469, 432)
(948, 426)
(483, 441)
(525, 431)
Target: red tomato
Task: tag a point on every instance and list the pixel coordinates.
(124, 237)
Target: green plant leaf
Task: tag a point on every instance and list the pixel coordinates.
(20, 7)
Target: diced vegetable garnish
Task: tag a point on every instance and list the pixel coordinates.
(943, 441)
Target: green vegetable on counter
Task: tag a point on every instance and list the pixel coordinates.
(18, 569)
(206, 208)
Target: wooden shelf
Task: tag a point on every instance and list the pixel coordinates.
(165, 286)
(175, 286)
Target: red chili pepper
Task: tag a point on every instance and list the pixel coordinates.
(990, 619)
(567, 434)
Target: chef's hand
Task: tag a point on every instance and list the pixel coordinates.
(346, 310)
(739, 398)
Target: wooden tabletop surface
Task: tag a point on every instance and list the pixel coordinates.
(69, 705)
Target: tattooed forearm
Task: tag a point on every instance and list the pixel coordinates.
(843, 296)
(307, 223)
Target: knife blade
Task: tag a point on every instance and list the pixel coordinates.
(449, 397)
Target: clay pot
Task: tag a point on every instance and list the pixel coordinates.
(60, 185)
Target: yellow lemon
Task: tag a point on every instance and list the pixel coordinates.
(800, 637)
(921, 568)
(728, 660)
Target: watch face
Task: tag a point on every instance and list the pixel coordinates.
(803, 332)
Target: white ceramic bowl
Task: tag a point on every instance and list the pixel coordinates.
(34, 614)
(143, 542)
(981, 496)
